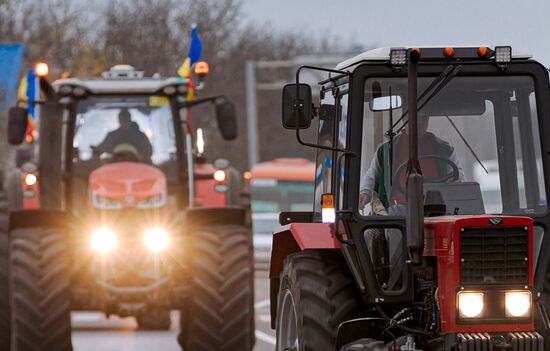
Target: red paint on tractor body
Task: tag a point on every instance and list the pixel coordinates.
(442, 239)
(205, 189)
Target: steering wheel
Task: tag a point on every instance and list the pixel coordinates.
(453, 176)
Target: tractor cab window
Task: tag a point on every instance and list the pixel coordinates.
(138, 128)
(479, 145)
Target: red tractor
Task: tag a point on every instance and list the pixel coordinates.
(131, 221)
(407, 247)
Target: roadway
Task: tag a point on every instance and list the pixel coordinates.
(93, 332)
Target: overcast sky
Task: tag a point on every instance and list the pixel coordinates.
(524, 24)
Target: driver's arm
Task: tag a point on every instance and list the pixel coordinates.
(369, 182)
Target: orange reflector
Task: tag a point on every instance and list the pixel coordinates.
(201, 68)
(449, 52)
(28, 138)
(482, 52)
(247, 175)
(41, 69)
(327, 201)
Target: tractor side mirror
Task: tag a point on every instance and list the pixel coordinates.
(297, 110)
(17, 125)
(227, 120)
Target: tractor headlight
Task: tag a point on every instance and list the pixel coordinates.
(156, 239)
(470, 304)
(518, 304)
(154, 201)
(105, 202)
(103, 240)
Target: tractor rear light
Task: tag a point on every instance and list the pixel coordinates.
(518, 304)
(41, 69)
(398, 57)
(328, 212)
(103, 240)
(30, 179)
(470, 304)
(503, 54)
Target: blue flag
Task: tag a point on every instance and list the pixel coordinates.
(11, 56)
(31, 91)
(195, 47)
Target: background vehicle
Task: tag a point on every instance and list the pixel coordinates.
(284, 184)
(119, 230)
(432, 267)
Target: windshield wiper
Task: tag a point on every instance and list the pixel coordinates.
(437, 89)
(467, 144)
(434, 82)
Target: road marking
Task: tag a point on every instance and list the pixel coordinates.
(260, 335)
(261, 304)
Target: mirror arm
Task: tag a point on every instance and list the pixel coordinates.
(298, 107)
(198, 101)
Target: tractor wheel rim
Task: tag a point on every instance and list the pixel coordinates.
(287, 326)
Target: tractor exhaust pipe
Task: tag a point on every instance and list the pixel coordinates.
(415, 211)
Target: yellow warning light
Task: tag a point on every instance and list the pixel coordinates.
(201, 68)
(30, 179)
(41, 69)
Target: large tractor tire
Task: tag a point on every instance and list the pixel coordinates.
(40, 297)
(156, 319)
(316, 294)
(220, 312)
(5, 328)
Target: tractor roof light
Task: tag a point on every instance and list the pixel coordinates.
(201, 68)
(41, 69)
(503, 54)
(398, 57)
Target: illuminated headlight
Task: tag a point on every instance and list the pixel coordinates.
(470, 304)
(105, 202)
(518, 304)
(155, 201)
(156, 239)
(30, 179)
(219, 175)
(503, 54)
(103, 240)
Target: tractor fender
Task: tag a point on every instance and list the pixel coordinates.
(200, 216)
(38, 218)
(292, 238)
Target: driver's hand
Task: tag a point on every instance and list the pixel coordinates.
(364, 198)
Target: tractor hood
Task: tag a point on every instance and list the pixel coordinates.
(127, 184)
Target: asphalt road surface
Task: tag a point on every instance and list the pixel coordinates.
(93, 332)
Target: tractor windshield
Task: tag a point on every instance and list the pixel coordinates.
(479, 145)
(138, 126)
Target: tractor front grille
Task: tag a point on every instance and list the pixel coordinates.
(494, 255)
(518, 341)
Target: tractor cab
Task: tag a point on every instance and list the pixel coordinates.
(430, 203)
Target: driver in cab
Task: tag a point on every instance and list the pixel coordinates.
(435, 156)
(127, 137)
